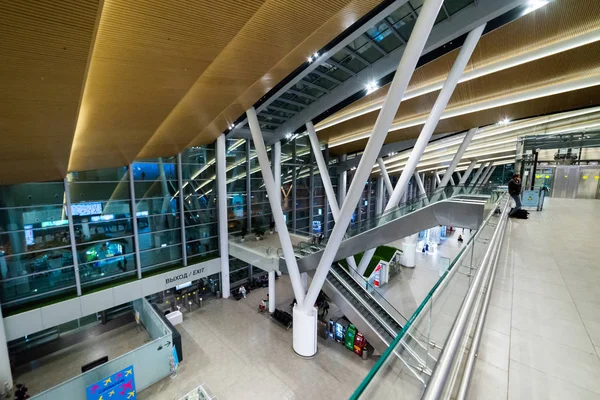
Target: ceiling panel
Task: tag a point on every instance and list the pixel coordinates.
(147, 55)
(554, 22)
(271, 45)
(43, 57)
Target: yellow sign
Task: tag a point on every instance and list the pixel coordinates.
(547, 176)
(597, 177)
(537, 176)
(585, 177)
(566, 176)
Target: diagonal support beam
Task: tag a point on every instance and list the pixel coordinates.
(407, 65)
(329, 192)
(386, 176)
(483, 174)
(272, 191)
(467, 173)
(438, 108)
(458, 156)
(486, 178)
(478, 173)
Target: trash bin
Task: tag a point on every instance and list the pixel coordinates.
(365, 354)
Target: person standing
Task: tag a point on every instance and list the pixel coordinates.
(514, 190)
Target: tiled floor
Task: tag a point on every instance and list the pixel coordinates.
(242, 354)
(63, 365)
(542, 334)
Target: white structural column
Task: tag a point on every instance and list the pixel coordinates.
(458, 156)
(181, 210)
(412, 52)
(342, 183)
(422, 191)
(72, 236)
(333, 204)
(222, 215)
(386, 176)
(437, 178)
(409, 251)
(271, 291)
(5, 372)
(277, 170)
(436, 112)
(451, 180)
(379, 198)
(467, 173)
(134, 224)
(478, 173)
(284, 236)
(484, 174)
(458, 175)
(486, 179)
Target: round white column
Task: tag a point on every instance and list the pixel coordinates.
(5, 372)
(271, 291)
(409, 250)
(305, 332)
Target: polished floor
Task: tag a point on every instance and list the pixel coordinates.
(408, 289)
(542, 333)
(65, 364)
(239, 353)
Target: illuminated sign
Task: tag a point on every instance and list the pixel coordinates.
(81, 209)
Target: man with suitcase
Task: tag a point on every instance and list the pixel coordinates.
(514, 190)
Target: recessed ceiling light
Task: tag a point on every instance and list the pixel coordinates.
(371, 87)
(316, 55)
(504, 121)
(310, 59)
(288, 135)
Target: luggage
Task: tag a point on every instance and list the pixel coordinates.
(520, 214)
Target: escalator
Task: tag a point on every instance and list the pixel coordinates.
(451, 206)
(362, 308)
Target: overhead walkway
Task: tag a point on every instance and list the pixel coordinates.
(464, 207)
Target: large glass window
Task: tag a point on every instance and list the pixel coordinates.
(200, 202)
(237, 168)
(35, 247)
(157, 211)
(101, 207)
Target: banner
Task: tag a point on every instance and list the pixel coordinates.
(119, 386)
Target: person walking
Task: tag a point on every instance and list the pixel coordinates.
(514, 190)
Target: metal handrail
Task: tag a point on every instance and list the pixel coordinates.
(437, 383)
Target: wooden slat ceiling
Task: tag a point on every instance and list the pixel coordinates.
(556, 21)
(44, 49)
(164, 74)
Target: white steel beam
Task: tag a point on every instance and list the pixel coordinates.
(420, 184)
(459, 154)
(436, 112)
(284, 236)
(222, 215)
(386, 176)
(333, 204)
(407, 65)
(482, 166)
(277, 169)
(489, 174)
(467, 173)
(483, 174)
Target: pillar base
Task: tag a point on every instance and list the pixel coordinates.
(305, 332)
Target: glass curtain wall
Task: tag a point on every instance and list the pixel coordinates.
(260, 208)
(36, 260)
(101, 209)
(198, 171)
(36, 254)
(156, 188)
(236, 169)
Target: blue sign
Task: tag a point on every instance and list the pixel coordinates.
(119, 386)
(530, 198)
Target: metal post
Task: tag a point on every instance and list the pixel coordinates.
(284, 236)
(483, 174)
(222, 214)
(438, 108)
(136, 238)
(458, 156)
(411, 55)
(294, 186)
(72, 236)
(248, 189)
(379, 199)
(181, 210)
(342, 183)
(467, 173)
(386, 176)
(271, 291)
(535, 162)
(420, 184)
(478, 173)
(489, 174)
